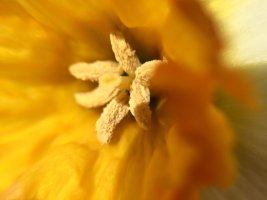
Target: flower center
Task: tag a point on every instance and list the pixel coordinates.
(123, 87)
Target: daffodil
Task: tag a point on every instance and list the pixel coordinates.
(168, 63)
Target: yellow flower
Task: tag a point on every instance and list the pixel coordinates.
(48, 144)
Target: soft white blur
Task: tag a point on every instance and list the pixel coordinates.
(243, 23)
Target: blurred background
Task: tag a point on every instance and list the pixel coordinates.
(243, 24)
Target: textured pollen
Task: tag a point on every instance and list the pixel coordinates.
(124, 54)
(146, 71)
(139, 105)
(96, 98)
(121, 93)
(111, 116)
(93, 71)
(107, 89)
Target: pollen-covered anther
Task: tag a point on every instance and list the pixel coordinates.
(111, 116)
(124, 54)
(93, 71)
(121, 93)
(108, 88)
(139, 105)
(140, 94)
(146, 71)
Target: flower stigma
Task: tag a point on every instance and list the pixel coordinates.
(123, 86)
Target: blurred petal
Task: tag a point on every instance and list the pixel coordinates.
(85, 23)
(202, 125)
(58, 175)
(165, 175)
(250, 148)
(36, 119)
(109, 171)
(26, 48)
(140, 12)
(196, 45)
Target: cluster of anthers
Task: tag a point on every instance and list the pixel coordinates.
(122, 85)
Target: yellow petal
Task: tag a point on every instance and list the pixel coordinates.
(189, 37)
(204, 127)
(37, 117)
(109, 171)
(58, 175)
(26, 48)
(83, 22)
(167, 169)
(140, 13)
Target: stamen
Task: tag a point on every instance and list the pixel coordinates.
(93, 71)
(117, 84)
(139, 104)
(98, 97)
(107, 89)
(146, 71)
(124, 54)
(111, 116)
